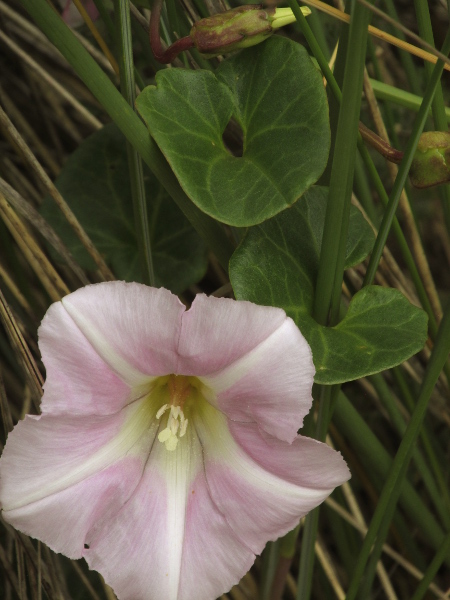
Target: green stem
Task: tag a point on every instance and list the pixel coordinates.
(432, 569)
(438, 106)
(406, 252)
(307, 556)
(105, 16)
(398, 422)
(425, 437)
(393, 486)
(375, 459)
(383, 91)
(405, 166)
(332, 255)
(315, 49)
(405, 57)
(128, 122)
(128, 87)
(270, 559)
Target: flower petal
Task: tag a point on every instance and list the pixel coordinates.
(214, 558)
(132, 327)
(306, 462)
(259, 502)
(160, 544)
(78, 380)
(71, 15)
(271, 384)
(54, 465)
(218, 331)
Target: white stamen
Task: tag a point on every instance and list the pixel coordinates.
(172, 443)
(164, 435)
(176, 411)
(173, 424)
(176, 426)
(161, 411)
(184, 424)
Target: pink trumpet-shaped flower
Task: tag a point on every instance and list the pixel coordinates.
(71, 15)
(167, 452)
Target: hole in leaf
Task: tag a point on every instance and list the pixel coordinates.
(233, 138)
(86, 546)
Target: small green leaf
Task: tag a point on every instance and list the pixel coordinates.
(277, 263)
(276, 94)
(95, 183)
(380, 330)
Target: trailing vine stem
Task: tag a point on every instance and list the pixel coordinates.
(168, 55)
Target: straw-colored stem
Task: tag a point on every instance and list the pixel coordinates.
(409, 226)
(16, 139)
(431, 57)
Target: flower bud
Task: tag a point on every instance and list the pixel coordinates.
(431, 163)
(238, 28)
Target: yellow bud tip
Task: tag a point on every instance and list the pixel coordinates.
(285, 16)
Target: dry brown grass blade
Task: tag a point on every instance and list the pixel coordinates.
(431, 56)
(5, 411)
(398, 558)
(48, 276)
(42, 571)
(12, 287)
(25, 27)
(21, 572)
(96, 34)
(409, 224)
(22, 351)
(16, 139)
(87, 584)
(358, 515)
(328, 567)
(28, 131)
(388, 265)
(9, 571)
(84, 113)
(34, 218)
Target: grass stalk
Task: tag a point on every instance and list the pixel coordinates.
(405, 166)
(128, 89)
(392, 488)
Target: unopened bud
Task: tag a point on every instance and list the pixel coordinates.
(431, 163)
(239, 28)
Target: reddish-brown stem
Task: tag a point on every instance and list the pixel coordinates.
(390, 153)
(161, 55)
(279, 580)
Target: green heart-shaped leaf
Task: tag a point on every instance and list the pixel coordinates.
(277, 263)
(95, 183)
(276, 94)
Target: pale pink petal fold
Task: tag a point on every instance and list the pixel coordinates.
(78, 380)
(218, 331)
(305, 462)
(62, 474)
(212, 549)
(134, 328)
(271, 384)
(63, 520)
(177, 545)
(260, 504)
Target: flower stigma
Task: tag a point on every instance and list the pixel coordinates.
(179, 391)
